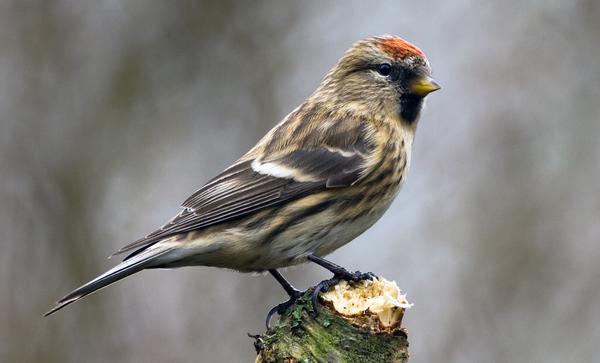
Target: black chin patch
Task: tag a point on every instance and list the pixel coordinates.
(410, 107)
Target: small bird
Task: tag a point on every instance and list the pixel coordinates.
(321, 177)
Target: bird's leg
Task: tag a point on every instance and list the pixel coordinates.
(292, 292)
(339, 273)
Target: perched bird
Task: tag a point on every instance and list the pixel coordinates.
(317, 180)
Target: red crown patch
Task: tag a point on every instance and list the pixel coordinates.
(399, 48)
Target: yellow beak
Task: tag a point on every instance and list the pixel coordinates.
(423, 86)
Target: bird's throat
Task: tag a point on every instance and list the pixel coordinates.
(410, 108)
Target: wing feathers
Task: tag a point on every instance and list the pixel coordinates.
(255, 184)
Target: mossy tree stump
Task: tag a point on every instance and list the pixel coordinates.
(357, 322)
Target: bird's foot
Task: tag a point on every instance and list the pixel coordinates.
(355, 276)
(280, 309)
(339, 272)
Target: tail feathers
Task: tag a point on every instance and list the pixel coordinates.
(122, 270)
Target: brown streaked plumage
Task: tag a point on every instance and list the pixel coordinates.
(317, 180)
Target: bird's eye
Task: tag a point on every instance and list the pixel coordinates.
(384, 69)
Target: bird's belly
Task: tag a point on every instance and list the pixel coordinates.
(321, 236)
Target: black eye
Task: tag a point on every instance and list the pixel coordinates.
(384, 69)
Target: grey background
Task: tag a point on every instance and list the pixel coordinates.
(113, 112)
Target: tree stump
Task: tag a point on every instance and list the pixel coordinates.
(356, 322)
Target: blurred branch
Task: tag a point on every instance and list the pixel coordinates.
(356, 323)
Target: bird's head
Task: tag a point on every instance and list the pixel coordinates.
(381, 74)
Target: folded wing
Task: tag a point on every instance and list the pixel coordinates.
(255, 184)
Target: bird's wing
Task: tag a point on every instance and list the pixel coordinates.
(255, 184)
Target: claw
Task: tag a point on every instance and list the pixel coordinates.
(270, 315)
(322, 286)
(280, 309)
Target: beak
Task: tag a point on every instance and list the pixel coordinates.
(423, 86)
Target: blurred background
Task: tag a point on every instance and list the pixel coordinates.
(112, 113)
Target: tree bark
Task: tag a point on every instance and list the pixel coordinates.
(356, 322)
